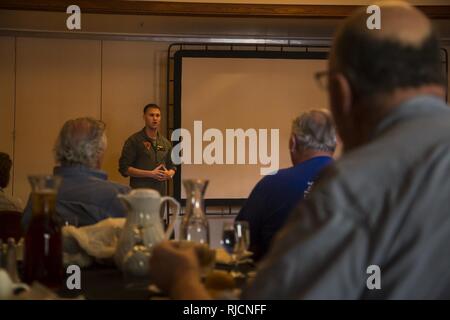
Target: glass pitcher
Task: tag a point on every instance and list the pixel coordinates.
(194, 226)
(43, 259)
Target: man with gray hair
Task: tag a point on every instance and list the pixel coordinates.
(85, 195)
(311, 146)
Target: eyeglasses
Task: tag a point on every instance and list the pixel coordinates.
(323, 78)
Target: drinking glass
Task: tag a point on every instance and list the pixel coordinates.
(229, 243)
(228, 238)
(236, 240)
(242, 234)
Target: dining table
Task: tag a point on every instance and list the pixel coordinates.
(107, 282)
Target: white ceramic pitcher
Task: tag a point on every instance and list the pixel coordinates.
(143, 229)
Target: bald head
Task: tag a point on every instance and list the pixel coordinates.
(375, 70)
(401, 23)
(404, 53)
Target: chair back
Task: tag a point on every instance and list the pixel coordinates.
(10, 225)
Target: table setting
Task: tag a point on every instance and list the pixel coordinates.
(112, 256)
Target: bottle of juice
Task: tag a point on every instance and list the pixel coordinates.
(43, 259)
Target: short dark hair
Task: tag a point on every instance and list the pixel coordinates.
(5, 168)
(375, 66)
(151, 105)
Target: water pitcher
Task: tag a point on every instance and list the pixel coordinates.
(143, 229)
(194, 226)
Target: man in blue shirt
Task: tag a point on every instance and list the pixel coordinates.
(311, 145)
(85, 195)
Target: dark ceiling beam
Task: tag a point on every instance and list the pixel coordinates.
(202, 9)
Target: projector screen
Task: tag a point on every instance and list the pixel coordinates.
(260, 93)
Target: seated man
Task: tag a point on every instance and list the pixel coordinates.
(6, 203)
(311, 146)
(377, 224)
(85, 191)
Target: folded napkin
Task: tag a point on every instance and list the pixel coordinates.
(95, 242)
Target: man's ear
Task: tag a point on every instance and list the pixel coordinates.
(292, 143)
(341, 94)
(342, 104)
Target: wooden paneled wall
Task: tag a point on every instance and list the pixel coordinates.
(45, 82)
(7, 96)
(134, 74)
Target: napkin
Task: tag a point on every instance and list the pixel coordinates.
(84, 245)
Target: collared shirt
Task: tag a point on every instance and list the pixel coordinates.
(142, 152)
(8, 204)
(274, 197)
(383, 205)
(86, 194)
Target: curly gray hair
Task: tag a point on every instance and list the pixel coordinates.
(315, 130)
(81, 141)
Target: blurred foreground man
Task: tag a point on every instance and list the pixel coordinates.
(85, 196)
(386, 201)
